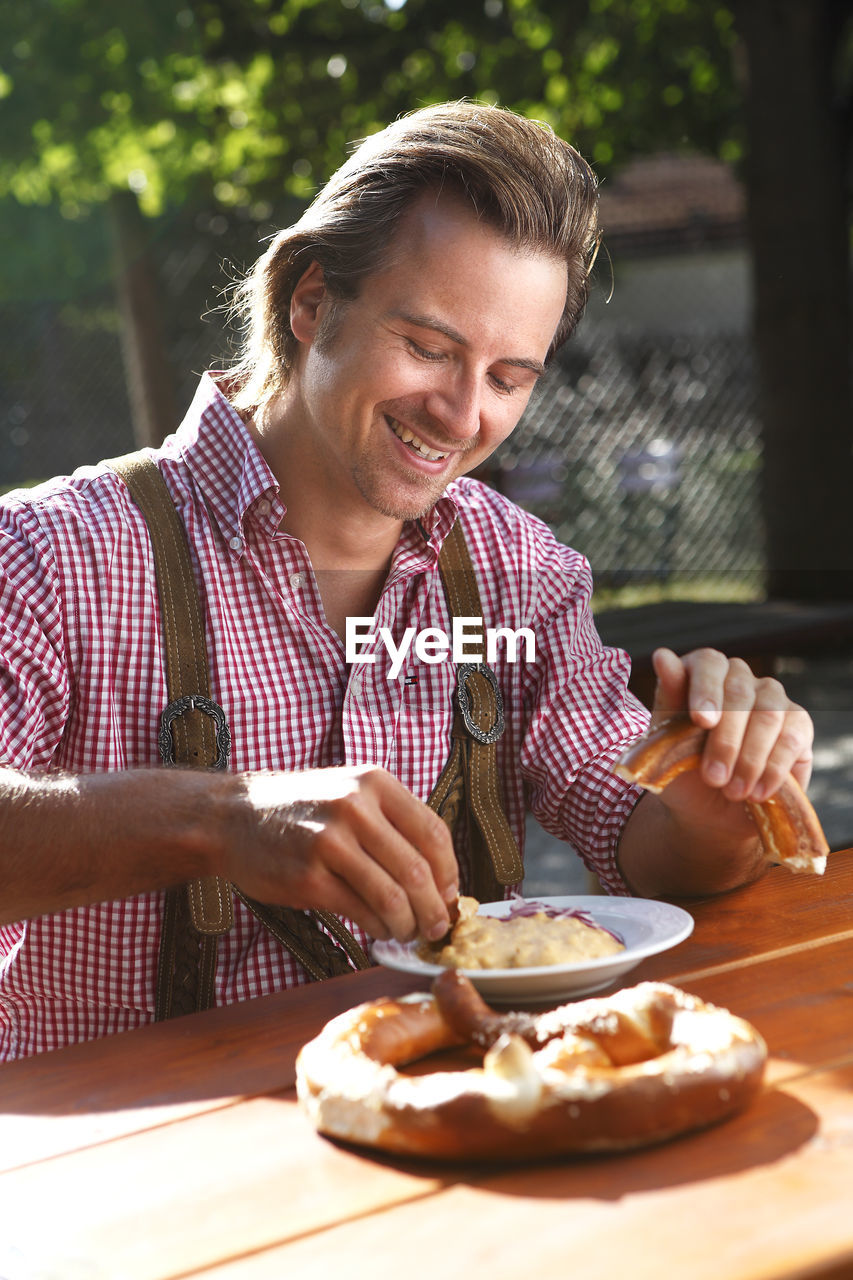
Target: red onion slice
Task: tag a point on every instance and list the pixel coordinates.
(530, 907)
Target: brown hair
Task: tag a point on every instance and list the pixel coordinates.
(518, 176)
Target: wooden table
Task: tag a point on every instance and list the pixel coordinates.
(180, 1150)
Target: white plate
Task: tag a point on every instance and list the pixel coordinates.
(645, 926)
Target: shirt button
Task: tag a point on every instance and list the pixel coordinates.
(263, 507)
(236, 544)
(296, 580)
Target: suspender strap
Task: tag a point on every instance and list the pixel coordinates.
(193, 731)
(195, 741)
(187, 961)
(470, 777)
(298, 933)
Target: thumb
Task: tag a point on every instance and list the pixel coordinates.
(671, 687)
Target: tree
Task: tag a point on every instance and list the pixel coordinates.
(247, 103)
(798, 110)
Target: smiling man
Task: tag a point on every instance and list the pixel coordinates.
(393, 338)
(423, 375)
(403, 389)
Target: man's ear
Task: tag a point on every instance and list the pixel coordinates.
(306, 303)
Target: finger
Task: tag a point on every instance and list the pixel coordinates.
(802, 771)
(692, 685)
(775, 735)
(671, 688)
(411, 844)
(419, 827)
(328, 892)
(408, 898)
(302, 871)
(725, 741)
(422, 828)
(707, 672)
(340, 853)
(791, 753)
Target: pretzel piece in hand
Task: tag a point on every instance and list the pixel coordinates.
(789, 828)
(640, 1067)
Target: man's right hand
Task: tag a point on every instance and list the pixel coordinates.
(350, 840)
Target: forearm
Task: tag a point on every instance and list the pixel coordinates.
(352, 841)
(662, 856)
(68, 841)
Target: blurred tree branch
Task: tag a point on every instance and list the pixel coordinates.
(250, 104)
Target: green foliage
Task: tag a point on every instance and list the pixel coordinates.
(249, 100)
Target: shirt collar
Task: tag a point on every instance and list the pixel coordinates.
(232, 473)
(439, 520)
(224, 460)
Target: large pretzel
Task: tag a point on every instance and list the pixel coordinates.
(790, 829)
(604, 1074)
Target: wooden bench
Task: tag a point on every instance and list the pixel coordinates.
(761, 632)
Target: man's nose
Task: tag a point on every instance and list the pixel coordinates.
(457, 403)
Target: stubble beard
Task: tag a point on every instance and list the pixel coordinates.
(375, 486)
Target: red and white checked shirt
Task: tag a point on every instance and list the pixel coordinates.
(82, 686)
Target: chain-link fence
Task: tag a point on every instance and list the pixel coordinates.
(641, 448)
(644, 453)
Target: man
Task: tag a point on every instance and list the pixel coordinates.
(393, 339)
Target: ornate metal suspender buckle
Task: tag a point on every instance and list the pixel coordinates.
(194, 702)
(463, 673)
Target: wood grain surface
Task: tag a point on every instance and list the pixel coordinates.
(180, 1150)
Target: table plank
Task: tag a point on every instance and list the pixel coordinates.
(102, 1090)
(761, 1205)
(263, 1176)
(779, 911)
(165, 1201)
(800, 1003)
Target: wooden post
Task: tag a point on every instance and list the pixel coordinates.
(148, 371)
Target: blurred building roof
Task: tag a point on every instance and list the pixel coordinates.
(671, 202)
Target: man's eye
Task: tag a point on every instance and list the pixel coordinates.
(504, 387)
(422, 353)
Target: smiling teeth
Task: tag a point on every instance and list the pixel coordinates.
(408, 437)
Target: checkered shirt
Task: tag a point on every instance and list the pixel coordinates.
(82, 685)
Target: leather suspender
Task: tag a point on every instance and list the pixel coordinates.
(194, 731)
(478, 723)
(197, 913)
(187, 961)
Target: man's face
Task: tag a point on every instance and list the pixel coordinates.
(428, 370)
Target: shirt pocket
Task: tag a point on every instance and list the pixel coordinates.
(421, 744)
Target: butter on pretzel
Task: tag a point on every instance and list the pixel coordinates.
(790, 829)
(605, 1074)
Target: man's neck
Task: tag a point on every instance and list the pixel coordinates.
(336, 539)
(349, 557)
(339, 529)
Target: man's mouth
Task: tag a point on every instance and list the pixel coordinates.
(408, 437)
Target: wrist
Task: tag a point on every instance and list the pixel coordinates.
(662, 853)
(203, 818)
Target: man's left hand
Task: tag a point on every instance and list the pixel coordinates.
(698, 836)
(756, 735)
